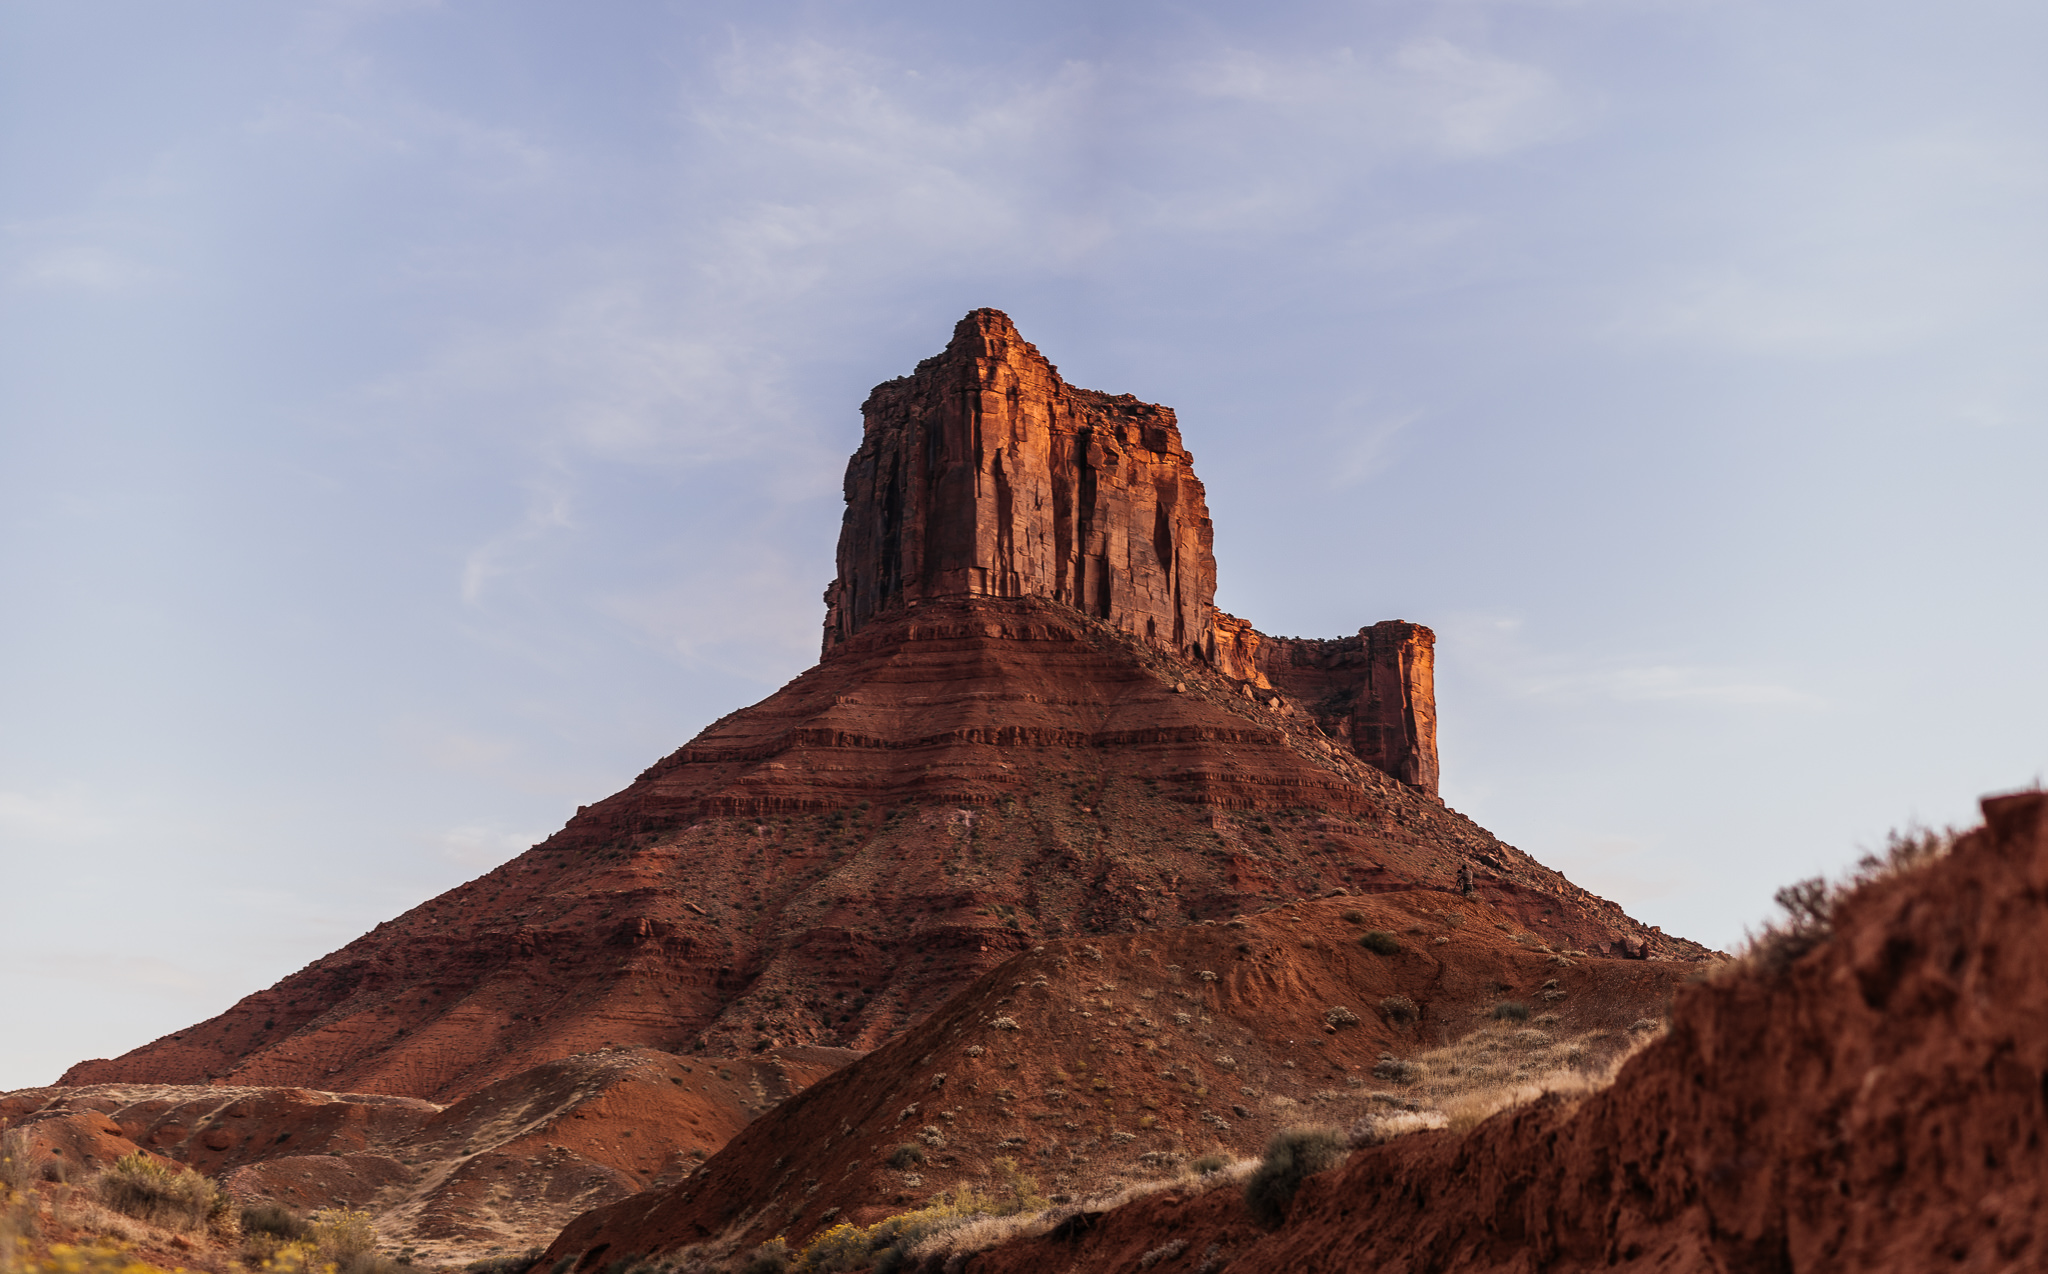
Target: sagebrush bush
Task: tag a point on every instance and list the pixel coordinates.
(1211, 1162)
(771, 1257)
(1396, 1070)
(906, 1155)
(175, 1197)
(1292, 1156)
(1379, 941)
(1399, 1009)
(346, 1239)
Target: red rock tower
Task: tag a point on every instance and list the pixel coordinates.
(985, 474)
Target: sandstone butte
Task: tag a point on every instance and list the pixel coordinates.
(1030, 725)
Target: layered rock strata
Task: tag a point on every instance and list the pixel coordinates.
(954, 786)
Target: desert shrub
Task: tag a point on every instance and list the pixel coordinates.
(1292, 1156)
(175, 1197)
(1164, 1252)
(1340, 1016)
(1354, 916)
(346, 1240)
(17, 1160)
(1511, 1011)
(1809, 905)
(1379, 942)
(276, 1220)
(519, 1264)
(906, 1155)
(771, 1257)
(1211, 1162)
(1004, 1024)
(1399, 1008)
(1396, 1070)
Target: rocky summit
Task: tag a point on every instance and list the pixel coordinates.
(1029, 725)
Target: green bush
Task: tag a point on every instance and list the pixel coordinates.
(1292, 1156)
(1511, 1011)
(906, 1155)
(160, 1194)
(1379, 941)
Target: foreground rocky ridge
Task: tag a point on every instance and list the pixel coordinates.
(501, 1170)
(1878, 1105)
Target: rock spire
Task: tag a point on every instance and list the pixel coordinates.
(984, 474)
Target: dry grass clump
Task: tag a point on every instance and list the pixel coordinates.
(17, 1160)
(159, 1194)
(889, 1243)
(516, 1264)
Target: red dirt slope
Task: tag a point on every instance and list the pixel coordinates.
(1115, 1058)
(997, 773)
(1880, 1105)
(503, 1168)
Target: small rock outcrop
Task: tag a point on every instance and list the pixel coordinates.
(1375, 691)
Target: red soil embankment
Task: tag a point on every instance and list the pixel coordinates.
(1879, 1105)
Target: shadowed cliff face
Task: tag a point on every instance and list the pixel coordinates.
(984, 474)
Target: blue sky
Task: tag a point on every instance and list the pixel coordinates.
(417, 417)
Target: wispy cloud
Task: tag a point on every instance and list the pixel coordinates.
(1498, 649)
(81, 267)
(547, 511)
(66, 815)
(482, 845)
